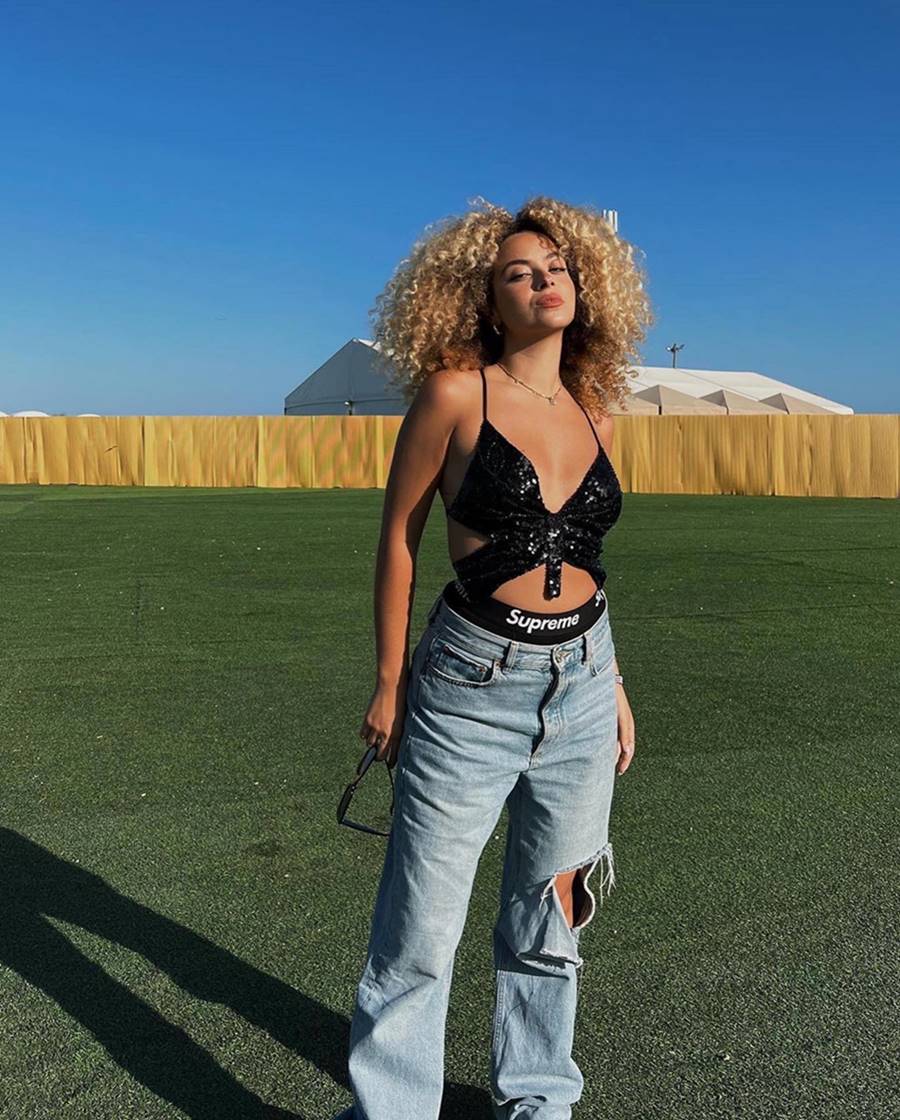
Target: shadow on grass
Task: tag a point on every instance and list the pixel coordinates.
(38, 884)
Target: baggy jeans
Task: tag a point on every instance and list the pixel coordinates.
(489, 721)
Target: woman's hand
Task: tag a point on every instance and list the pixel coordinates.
(382, 724)
(626, 730)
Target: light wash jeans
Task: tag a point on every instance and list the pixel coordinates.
(489, 721)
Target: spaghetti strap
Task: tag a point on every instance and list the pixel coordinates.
(483, 393)
(590, 421)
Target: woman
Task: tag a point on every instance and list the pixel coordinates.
(516, 329)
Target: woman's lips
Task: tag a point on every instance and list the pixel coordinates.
(549, 302)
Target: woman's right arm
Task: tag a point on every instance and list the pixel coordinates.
(415, 472)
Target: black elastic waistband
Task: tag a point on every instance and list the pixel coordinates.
(540, 627)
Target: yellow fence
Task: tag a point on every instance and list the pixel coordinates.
(821, 455)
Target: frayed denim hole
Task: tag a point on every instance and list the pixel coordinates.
(584, 870)
(607, 881)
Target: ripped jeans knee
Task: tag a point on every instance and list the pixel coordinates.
(533, 925)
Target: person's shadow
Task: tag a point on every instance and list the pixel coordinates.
(36, 884)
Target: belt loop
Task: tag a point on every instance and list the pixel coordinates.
(435, 607)
(586, 645)
(509, 654)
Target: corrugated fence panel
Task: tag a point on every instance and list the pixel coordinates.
(195, 445)
(739, 456)
(631, 452)
(390, 426)
(236, 452)
(666, 455)
(358, 451)
(325, 434)
(12, 450)
(827, 455)
(95, 450)
(300, 466)
(827, 458)
(180, 450)
(271, 451)
(699, 475)
(47, 449)
(791, 456)
(130, 449)
(884, 448)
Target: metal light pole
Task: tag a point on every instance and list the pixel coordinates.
(673, 350)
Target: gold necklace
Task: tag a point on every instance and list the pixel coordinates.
(551, 398)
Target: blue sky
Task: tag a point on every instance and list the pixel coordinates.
(199, 202)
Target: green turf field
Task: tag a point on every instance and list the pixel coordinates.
(183, 923)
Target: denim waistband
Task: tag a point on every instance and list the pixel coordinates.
(512, 651)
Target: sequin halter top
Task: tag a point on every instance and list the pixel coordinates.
(500, 497)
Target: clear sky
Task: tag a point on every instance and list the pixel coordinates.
(200, 201)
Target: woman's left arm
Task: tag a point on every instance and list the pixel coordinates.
(625, 722)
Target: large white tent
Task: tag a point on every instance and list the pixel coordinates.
(745, 384)
(350, 382)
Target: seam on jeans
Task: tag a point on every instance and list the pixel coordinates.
(478, 661)
(495, 676)
(431, 667)
(499, 1010)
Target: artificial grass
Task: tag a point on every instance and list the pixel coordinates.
(182, 677)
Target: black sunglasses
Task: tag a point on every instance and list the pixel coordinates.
(364, 763)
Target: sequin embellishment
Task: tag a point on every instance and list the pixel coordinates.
(500, 498)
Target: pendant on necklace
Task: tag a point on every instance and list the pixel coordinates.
(553, 400)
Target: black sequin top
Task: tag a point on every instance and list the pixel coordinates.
(500, 497)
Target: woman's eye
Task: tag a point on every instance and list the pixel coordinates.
(519, 275)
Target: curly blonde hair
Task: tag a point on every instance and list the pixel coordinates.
(434, 312)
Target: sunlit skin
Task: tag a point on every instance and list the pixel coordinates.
(435, 444)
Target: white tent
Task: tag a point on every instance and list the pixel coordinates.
(347, 384)
(350, 382)
(759, 387)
